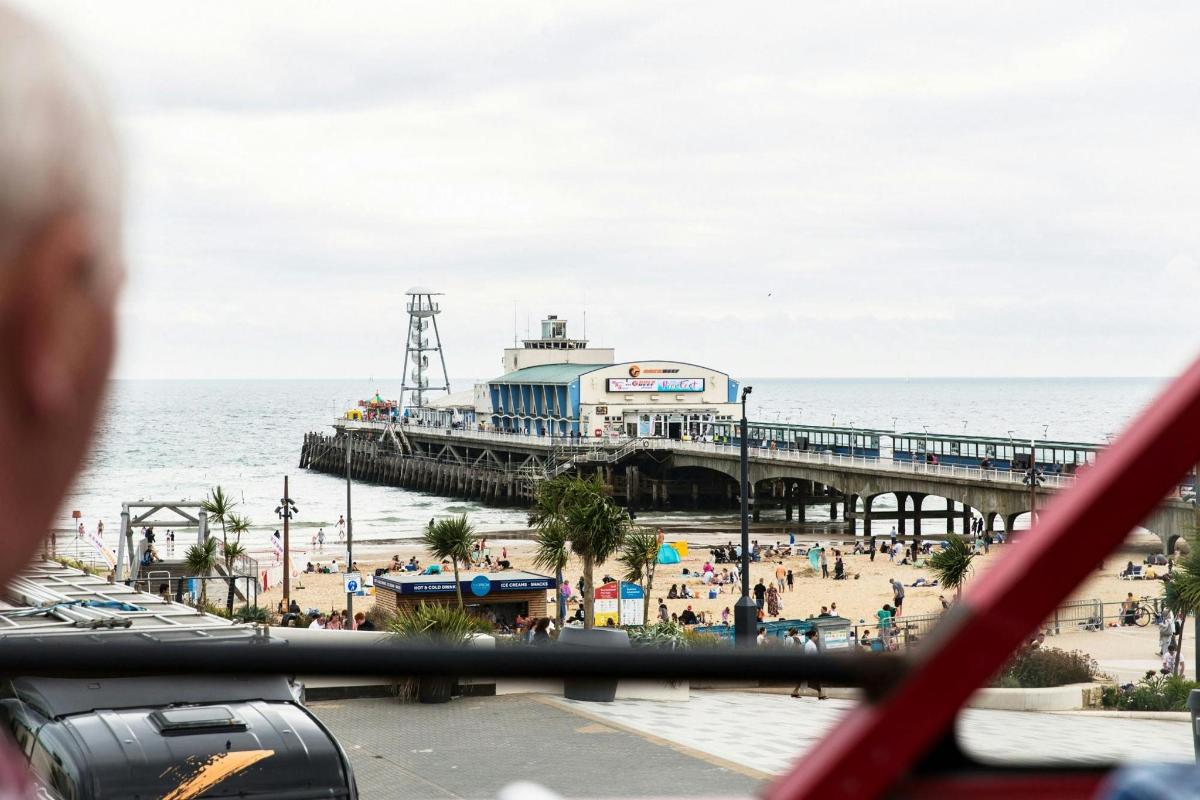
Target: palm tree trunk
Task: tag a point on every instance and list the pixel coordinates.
(560, 602)
(457, 586)
(649, 588)
(588, 593)
(1179, 645)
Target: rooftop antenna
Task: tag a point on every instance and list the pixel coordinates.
(514, 323)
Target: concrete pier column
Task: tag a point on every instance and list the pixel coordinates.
(664, 493)
(967, 516)
(631, 486)
(754, 509)
(918, 499)
(654, 494)
(849, 507)
(695, 495)
(867, 514)
(901, 512)
(789, 498)
(950, 516)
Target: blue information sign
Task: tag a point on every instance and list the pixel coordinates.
(480, 585)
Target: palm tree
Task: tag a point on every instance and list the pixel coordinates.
(237, 525)
(639, 554)
(551, 553)
(593, 524)
(1181, 594)
(201, 559)
(952, 565)
(219, 506)
(451, 538)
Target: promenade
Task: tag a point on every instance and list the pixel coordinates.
(718, 744)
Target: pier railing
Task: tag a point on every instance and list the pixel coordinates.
(610, 450)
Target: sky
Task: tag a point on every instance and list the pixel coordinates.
(790, 190)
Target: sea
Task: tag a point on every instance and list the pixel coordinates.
(176, 439)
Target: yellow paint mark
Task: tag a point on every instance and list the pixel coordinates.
(216, 769)
(595, 729)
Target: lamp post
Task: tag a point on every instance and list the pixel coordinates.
(1033, 479)
(745, 611)
(349, 529)
(285, 511)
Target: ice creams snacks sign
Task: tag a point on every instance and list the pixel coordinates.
(656, 384)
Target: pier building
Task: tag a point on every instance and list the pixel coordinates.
(560, 387)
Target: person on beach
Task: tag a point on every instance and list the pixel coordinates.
(897, 595)
(664, 614)
(341, 528)
(791, 581)
(320, 540)
(1166, 631)
(318, 623)
(781, 576)
(760, 594)
(824, 564)
(772, 602)
(725, 616)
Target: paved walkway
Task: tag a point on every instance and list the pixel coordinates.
(473, 747)
(769, 731)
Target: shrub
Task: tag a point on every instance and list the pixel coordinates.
(252, 614)
(438, 624)
(1154, 692)
(1045, 666)
(670, 636)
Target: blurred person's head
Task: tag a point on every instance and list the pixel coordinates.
(60, 267)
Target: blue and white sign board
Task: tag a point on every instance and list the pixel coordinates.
(352, 581)
(633, 608)
(481, 585)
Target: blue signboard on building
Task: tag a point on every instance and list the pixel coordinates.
(480, 585)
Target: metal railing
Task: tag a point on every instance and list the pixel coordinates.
(606, 450)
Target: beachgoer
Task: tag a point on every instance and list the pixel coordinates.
(688, 617)
(663, 613)
(824, 564)
(760, 593)
(1166, 631)
(725, 616)
(762, 637)
(341, 528)
(318, 623)
(897, 595)
(320, 539)
(943, 601)
(772, 602)
(791, 580)
(540, 636)
(781, 576)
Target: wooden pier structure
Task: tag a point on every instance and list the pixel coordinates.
(649, 473)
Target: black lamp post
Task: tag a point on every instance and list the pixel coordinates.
(745, 611)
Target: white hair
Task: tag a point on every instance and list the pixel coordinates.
(58, 151)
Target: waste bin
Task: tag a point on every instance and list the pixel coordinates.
(833, 633)
(593, 690)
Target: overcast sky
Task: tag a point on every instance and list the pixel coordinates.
(797, 189)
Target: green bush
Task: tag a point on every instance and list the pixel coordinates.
(1155, 692)
(1045, 666)
(440, 624)
(252, 614)
(670, 636)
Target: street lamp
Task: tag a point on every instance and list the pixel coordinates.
(1033, 479)
(852, 437)
(285, 511)
(745, 611)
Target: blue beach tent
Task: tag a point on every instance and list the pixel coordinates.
(667, 554)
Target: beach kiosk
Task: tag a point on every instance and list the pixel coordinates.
(506, 594)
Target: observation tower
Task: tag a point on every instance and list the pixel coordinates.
(418, 344)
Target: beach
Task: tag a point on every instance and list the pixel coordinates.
(863, 592)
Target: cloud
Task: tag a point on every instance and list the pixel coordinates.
(923, 189)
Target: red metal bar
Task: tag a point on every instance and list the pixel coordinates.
(1038, 786)
(875, 745)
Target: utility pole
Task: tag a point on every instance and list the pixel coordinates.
(1033, 479)
(349, 529)
(745, 611)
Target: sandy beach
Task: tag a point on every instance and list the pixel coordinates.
(858, 597)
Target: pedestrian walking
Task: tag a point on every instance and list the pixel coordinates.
(760, 593)
(824, 564)
(780, 576)
(791, 580)
(810, 648)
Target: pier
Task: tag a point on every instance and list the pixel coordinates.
(656, 473)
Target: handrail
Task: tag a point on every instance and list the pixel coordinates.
(613, 451)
